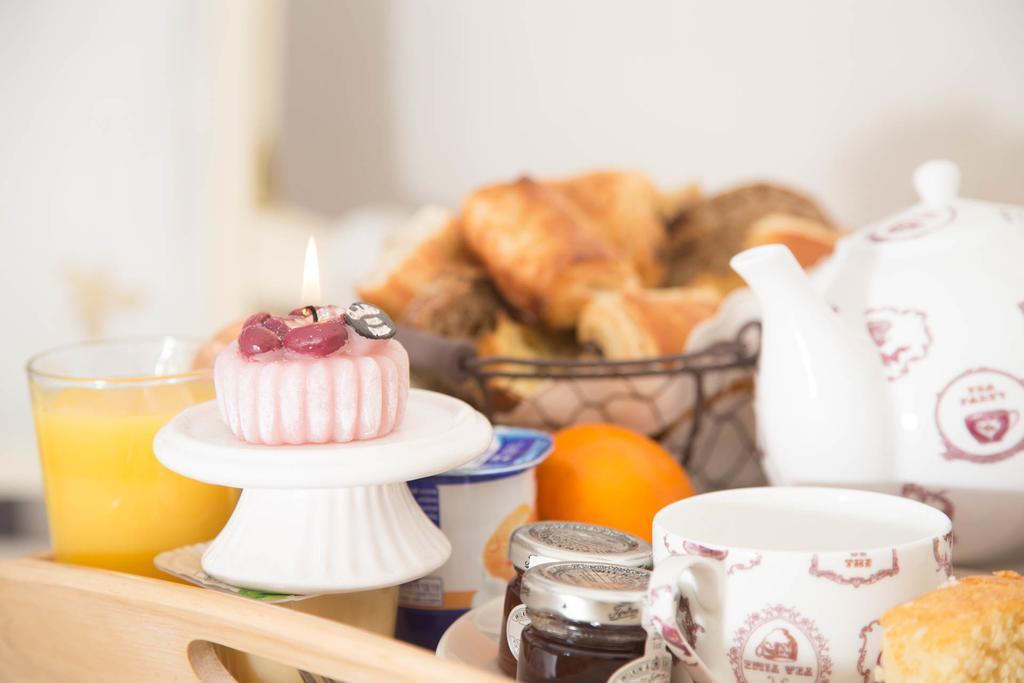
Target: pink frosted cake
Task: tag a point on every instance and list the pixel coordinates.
(317, 375)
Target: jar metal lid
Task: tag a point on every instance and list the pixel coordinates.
(597, 594)
(543, 542)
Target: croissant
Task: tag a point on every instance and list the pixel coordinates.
(627, 208)
(545, 255)
(644, 323)
(413, 257)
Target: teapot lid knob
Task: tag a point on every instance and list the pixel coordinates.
(937, 181)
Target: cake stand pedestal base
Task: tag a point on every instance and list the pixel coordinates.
(307, 540)
(326, 518)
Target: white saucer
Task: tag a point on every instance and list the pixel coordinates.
(473, 638)
(439, 433)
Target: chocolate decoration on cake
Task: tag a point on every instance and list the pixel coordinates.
(369, 321)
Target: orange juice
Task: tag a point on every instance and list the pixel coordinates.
(110, 503)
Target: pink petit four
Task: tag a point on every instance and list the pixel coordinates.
(317, 375)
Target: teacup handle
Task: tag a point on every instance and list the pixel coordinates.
(661, 612)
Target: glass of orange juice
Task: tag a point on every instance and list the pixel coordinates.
(97, 406)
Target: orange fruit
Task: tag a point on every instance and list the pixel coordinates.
(609, 475)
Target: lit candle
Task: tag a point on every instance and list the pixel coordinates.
(311, 276)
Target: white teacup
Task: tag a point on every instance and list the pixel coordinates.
(788, 583)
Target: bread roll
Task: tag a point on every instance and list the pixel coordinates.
(626, 207)
(809, 240)
(704, 238)
(545, 255)
(645, 323)
(971, 630)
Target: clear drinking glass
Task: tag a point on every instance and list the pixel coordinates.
(97, 406)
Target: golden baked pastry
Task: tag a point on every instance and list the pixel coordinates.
(545, 255)
(704, 238)
(970, 630)
(644, 323)
(428, 246)
(627, 208)
(459, 303)
(511, 339)
(672, 204)
(809, 240)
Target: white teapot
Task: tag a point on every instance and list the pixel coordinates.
(900, 367)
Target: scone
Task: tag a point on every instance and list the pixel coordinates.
(971, 630)
(320, 374)
(644, 323)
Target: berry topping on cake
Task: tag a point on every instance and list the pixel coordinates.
(313, 331)
(318, 339)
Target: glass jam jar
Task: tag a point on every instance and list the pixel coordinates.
(543, 542)
(584, 621)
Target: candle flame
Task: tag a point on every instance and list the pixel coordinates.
(311, 276)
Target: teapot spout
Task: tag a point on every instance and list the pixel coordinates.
(775, 276)
(821, 392)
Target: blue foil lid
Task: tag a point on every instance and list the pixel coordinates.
(512, 450)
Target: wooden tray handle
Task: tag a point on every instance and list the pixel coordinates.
(66, 623)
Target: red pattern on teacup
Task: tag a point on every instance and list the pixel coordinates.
(754, 561)
(691, 629)
(855, 569)
(685, 547)
(779, 644)
(870, 653)
(942, 551)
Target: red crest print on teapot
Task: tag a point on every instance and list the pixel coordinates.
(902, 338)
(978, 416)
(913, 225)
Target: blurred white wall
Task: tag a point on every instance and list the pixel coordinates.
(125, 156)
(100, 144)
(428, 100)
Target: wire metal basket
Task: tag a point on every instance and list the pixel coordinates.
(698, 405)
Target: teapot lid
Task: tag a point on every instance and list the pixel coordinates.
(941, 210)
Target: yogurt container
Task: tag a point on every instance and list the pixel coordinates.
(477, 506)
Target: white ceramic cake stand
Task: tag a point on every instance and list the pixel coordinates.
(326, 518)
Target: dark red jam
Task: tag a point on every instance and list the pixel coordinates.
(555, 649)
(507, 660)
